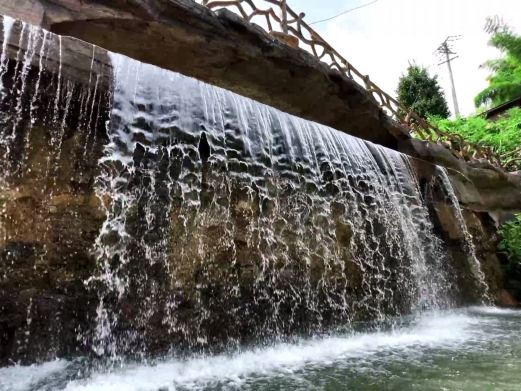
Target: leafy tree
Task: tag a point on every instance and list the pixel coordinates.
(420, 92)
(505, 80)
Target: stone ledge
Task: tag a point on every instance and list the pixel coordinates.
(221, 49)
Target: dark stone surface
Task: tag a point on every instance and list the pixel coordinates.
(49, 215)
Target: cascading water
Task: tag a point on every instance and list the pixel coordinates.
(227, 217)
(7, 27)
(226, 222)
(42, 138)
(469, 242)
(24, 100)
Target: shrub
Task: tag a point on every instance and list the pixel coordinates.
(505, 80)
(511, 246)
(503, 135)
(511, 243)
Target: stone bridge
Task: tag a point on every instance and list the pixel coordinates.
(213, 44)
(226, 49)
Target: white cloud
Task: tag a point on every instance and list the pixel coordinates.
(381, 39)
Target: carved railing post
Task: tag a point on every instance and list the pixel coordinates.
(284, 16)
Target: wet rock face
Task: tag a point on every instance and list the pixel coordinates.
(146, 235)
(249, 263)
(479, 231)
(50, 216)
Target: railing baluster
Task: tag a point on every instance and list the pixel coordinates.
(284, 16)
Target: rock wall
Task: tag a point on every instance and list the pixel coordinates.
(488, 196)
(51, 215)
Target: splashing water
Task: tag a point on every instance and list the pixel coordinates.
(469, 241)
(251, 218)
(444, 350)
(227, 222)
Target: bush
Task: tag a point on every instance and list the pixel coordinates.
(511, 246)
(505, 80)
(511, 243)
(503, 135)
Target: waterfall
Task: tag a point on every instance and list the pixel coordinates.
(7, 27)
(43, 135)
(26, 102)
(226, 215)
(469, 241)
(226, 222)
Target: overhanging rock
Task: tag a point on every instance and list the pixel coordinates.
(226, 51)
(221, 49)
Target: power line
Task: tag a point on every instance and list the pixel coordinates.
(344, 12)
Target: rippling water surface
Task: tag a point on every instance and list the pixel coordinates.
(469, 349)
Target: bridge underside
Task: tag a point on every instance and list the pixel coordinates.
(222, 49)
(218, 48)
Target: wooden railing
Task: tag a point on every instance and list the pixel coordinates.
(278, 18)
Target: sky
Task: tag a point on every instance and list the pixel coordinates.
(383, 38)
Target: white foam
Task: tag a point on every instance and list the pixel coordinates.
(486, 310)
(431, 331)
(21, 378)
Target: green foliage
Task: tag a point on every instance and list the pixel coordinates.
(511, 246)
(503, 135)
(511, 243)
(420, 92)
(505, 80)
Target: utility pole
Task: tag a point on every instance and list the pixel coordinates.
(445, 51)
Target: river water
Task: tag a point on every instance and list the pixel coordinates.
(466, 349)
